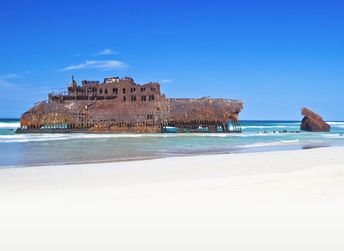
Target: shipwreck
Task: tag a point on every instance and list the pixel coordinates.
(313, 122)
(121, 105)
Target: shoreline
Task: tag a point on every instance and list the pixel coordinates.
(255, 162)
(239, 150)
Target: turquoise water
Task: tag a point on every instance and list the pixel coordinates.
(42, 149)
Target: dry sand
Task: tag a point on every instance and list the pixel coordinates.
(287, 200)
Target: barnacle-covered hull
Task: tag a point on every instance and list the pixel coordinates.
(120, 105)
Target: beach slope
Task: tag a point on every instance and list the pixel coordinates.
(287, 200)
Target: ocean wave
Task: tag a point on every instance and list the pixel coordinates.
(269, 126)
(17, 138)
(22, 138)
(268, 134)
(274, 143)
(9, 125)
(336, 124)
(53, 137)
(333, 136)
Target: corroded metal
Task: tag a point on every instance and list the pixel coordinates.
(121, 105)
(313, 122)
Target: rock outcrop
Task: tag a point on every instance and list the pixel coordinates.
(313, 122)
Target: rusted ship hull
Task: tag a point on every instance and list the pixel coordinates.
(313, 122)
(120, 105)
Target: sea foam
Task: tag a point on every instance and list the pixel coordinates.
(9, 125)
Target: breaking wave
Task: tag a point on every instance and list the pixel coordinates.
(336, 124)
(22, 138)
(267, 127)
(231, 137)
(275, 143)
(9, 125)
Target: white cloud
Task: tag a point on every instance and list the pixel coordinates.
(105, 65)
(5, 80)
(107, 52)
(166, 81)
(5, 83)
(9, 76)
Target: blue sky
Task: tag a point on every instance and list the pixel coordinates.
(274, 55)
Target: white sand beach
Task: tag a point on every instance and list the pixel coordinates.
(287, 200)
